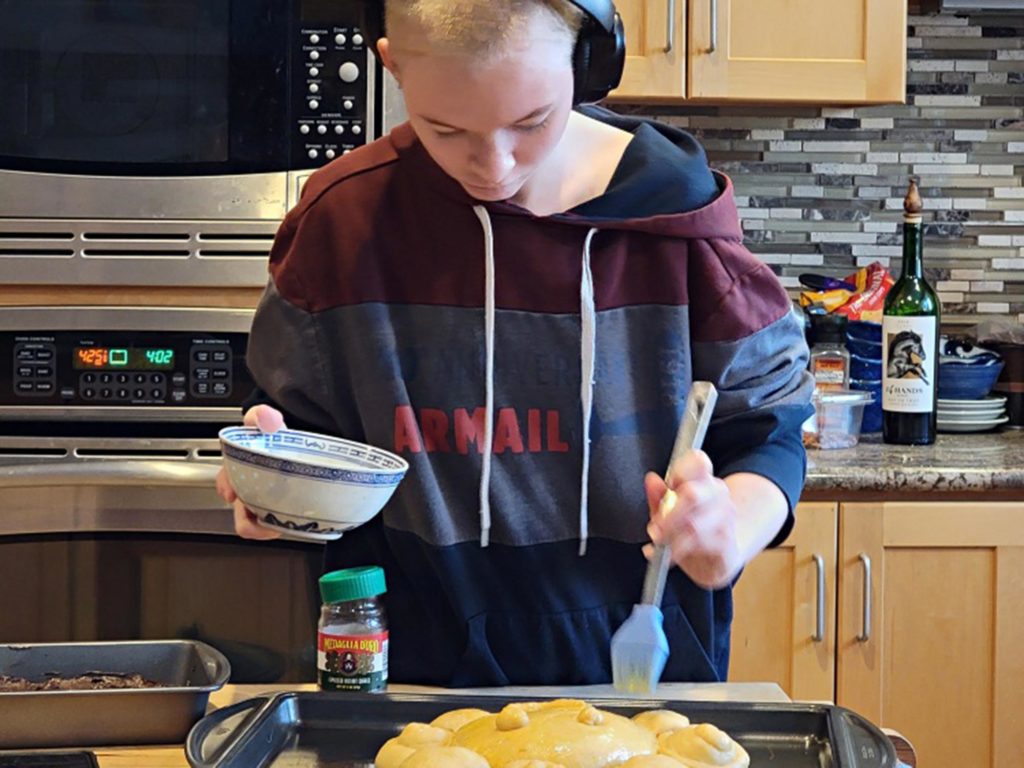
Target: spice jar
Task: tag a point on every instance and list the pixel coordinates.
(352, 637)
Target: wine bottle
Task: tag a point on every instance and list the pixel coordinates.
(910, 341)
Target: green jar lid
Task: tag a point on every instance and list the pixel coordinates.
(352, 584)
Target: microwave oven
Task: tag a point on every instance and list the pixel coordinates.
(161, 142)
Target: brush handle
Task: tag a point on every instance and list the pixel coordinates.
(700, 404)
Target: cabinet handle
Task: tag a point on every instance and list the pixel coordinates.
(865, 634)
(714, 27)
(670, 26)
(819, 627)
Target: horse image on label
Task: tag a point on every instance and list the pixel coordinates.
(907, 356)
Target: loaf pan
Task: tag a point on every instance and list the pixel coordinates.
(189, 671)
(345, 730)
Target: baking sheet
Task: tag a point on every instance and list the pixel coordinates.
(190, 670)
(342, 730)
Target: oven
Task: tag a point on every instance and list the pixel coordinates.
(110, 527)
(160, 142)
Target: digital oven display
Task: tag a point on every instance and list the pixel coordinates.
(123, 359)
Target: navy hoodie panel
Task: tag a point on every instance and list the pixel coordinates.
(655, 177)
(507, 626)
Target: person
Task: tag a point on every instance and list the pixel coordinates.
(515, 293)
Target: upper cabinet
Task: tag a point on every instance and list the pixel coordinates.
(842, 51)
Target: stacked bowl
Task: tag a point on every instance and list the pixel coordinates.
(967, 374)
(864, 342)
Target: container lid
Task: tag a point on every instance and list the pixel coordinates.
(828, 328)
(352, 584)
(842, 396)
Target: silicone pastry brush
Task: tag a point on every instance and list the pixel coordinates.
(639, 646)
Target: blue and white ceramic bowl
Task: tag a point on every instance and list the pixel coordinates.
(307, 485)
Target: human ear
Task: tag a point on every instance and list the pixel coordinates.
(388, 59)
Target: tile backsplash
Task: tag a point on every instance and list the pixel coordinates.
(821, 190)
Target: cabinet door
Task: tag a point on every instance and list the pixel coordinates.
(784, 616)
(655, 49)
(936, 651)
(841, 51)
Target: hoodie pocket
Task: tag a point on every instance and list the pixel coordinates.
(567, 648)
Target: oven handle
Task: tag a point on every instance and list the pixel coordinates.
(111, 473)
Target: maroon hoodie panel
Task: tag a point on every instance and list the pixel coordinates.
(386, 224)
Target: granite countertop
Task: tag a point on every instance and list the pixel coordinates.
(956, 463)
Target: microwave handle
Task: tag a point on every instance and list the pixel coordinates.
(111, 473)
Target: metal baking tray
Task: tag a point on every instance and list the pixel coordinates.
(344, 730)
(190, 669)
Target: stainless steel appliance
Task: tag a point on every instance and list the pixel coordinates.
(146, 142)
(110, 527)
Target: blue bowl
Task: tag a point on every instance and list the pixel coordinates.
(870, 350)
(872, 421)
(864, 331)
(960, 381)
(865, 368)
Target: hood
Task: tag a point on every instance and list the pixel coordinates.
(668, 158)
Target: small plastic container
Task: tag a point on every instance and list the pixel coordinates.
(352, 637)
(837, 419)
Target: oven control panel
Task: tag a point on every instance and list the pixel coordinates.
(335, 84)
(116, 368)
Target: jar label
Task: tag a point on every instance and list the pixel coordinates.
(352, 662)
(829, 374)
(908, 364)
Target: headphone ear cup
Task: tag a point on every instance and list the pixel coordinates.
(598, 61)
(581, 58)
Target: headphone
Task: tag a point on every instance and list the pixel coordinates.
(597, 59)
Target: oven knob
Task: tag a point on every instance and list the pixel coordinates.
(314, 104)
(314, 88)
(303, 129)
(339, 129)
(122, 394)
(348, 105)
(314, 71)
(314, 55)
(340, 39)
(156, 378)
(158, 394)
(349, 72)
(106, 393)
(89, 378)
(321, 129)
(88, 394)
(357, 39)
(313, 154)
(357, 129)
(106, 378)
(139, 394)
(329, 154)
(314, 38)
(122, 378)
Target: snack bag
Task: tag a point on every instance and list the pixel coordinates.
(873, 283)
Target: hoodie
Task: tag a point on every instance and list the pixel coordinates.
(531, 370)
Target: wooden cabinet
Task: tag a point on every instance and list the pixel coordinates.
(940, 658)
(784, 608)
(924, 622)
(843, 51)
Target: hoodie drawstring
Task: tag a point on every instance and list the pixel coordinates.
(488, 446)
(588, 353)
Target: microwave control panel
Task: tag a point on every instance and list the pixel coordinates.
(335, 77)
(119, 368)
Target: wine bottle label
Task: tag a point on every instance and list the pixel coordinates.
(908, 364)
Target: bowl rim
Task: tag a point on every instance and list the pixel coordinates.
(224, 435)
